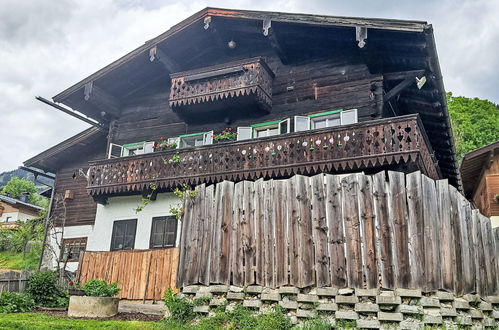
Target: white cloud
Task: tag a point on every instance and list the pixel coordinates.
(46, 46)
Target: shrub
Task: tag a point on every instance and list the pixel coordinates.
(44, 289)
(100, 288)
(181, 310)
(275, 320)
(13, 302)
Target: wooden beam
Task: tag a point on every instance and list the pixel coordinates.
(403, 75)
(156, 54)
(271, 34)
(399, 88)
(102, 100)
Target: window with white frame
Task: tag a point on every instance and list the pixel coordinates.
(270, 128)
(131, 149)
(325, 119)
(195, 139)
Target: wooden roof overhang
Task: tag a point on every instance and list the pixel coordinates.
(473, 166)
(391, 47)
(69, 150)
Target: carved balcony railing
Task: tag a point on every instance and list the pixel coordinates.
(237, 85)
(372, 144)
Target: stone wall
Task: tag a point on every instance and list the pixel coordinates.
(363, 308)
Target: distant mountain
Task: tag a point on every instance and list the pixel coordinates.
(6, 176)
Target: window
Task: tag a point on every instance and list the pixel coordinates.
(131, 149)
(325, 119)
(123, 237)
(244, 133)
(72, 247)
(270, 128)
(163, 232)
(8, 219)
(302, 123)
(196, 139)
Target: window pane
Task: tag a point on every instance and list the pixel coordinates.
(349, 117)
(273, 131)
(123, 234)
(244, 133)
(319, 123)
(301, 123)
(334, 121)
(198, 142)
(164, 232)
(261, 133)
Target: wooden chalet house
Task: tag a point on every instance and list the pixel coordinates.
(306, 95)
(480, 175)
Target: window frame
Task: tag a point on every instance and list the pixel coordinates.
(341, 113)
(265, 126)
(65, 241)
(113, 232)
(166, 219)
(207, 138)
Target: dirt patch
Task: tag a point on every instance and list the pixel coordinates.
(119, 316)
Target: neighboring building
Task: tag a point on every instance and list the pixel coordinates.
(13, 210)
(306, 94)
(480, 177)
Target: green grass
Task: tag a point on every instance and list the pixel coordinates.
(12, 260)
(43, 321)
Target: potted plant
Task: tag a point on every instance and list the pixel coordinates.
(164, 145)
(75, 290)
(99, 300)
(226, 135)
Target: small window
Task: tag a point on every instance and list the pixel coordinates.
(325, 121)
(244, 133)
(302, 123)
(285, 126)
(115, 150)
(173, 141)
(349, 117)
(270, 128)
(8, 219)
(123, 236)
(163, 232)
(196, 139)
(72, 247)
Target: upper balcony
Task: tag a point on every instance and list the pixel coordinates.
(234, 89)
(368, 145)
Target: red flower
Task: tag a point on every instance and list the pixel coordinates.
(214, 135)
(161, 138)
(230, 129)
(223, 132)
(71, 283)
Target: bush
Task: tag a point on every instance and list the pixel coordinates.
(44, 289)
(181, 310)
(100, 288)
(275, 320)
(13, 302)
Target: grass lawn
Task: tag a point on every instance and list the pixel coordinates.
(43, 321)
(12, 260)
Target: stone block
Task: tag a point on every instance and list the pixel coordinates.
(366, 308)
(270, 296)
(330, 307)
(485, 306)
(203, 294)
(432, 319)
(488, 322)
(471, 297)
(386, 293)
(234, 288)
(475, 314)
(217, 301)
(392, 317)
(345, 291)
(302, 313)
(204, 309)
(310, 298)
(327, 292)
(444, 296)
(368, 324)
(388, 300)
(190, 289)
(460, 303)
(288, 304)
(288, 290)
(219, 288)
(256, 303)
(366, 292)
(495, 314)
(493, 299)
(86, 306)
(448, 312)
(463, 320)
(409, 309)
(342, 315)
(346, 300)
(409, 293)
(410, 325)
(235, 296)
(429, 302)
(253, 289)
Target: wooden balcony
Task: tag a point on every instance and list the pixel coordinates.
(367, 145)
(232, 89)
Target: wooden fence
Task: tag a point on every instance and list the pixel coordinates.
(141, 274)
(13, 280)
(387, 230)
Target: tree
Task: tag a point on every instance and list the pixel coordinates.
(475, 123)
(16, 187)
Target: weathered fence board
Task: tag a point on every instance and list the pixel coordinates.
(388, 230)
(141, 274)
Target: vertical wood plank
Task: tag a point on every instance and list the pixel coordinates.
(368, 225)
(415, 227)
(216, 243)
(196, 204)
(446, 241)
(227, 201)
(470, 251)
(350, 196)
(384, 235)
(306, 249)
(259, 233)
(431, 234)
(249, 231)
(269, 238)
(320, 231)
(477, 258)
(293, 233)
(335, 231)
(456, 216)
(208, 232)
(281, 249)
(487, 255)
(236, 250)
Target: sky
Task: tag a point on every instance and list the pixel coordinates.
(47, 46)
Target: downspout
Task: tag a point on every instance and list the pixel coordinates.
(46, 225)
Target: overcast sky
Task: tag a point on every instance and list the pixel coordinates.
(46, 46)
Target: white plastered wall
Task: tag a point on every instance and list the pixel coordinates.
(494, 221)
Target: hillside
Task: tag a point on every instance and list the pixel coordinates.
(6, 176)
